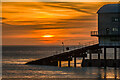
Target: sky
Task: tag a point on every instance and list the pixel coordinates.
(49, 23)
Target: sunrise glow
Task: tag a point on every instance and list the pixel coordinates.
(48, 36)
(40, 23)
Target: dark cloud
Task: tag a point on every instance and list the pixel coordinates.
(56, 28)
(82, 19)
(24, 21)
(8, 29)
(3, 18)
(18, 26)
(72, 7)
(92, 17)
(10, 12)
(21, 22)
(39, 39)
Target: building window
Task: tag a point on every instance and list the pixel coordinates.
(116, 19)
(115, 29)
(107, 30)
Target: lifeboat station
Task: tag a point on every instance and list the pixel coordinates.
(108, 39)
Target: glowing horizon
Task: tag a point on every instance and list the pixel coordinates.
(47, 36)
(40, 23)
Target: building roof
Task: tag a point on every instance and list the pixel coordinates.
(110, 8)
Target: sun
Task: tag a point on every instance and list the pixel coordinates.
(48, 36)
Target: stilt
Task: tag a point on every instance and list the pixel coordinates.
(99, 57)
(75, 61)
(83, 58)
(105, 57)
(59, 64)
(90, 57)
(115, 53)
(68, 63)
(104, 53)
(98, 54)
(115, 56)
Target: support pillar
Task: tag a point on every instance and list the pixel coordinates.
(105, 62)
(98, 54)
(75, 61)
(105, 53)
(115, 56)
(115, 53)
(83, 58)
(99, 62)
(68, 63)
(59, 63)
(90, 57)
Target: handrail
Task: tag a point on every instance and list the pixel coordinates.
(89, 43)
(94, 33)
(81, 46)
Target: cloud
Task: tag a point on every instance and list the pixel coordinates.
(10, 12)
(70, 7)
(45, 18)
(3, 18)
(56, 28)
(38, 39)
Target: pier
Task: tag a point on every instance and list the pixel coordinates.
(83, 52)
(108, 37)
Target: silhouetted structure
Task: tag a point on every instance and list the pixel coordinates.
(109, 28)
(108, 34)
(108, 25)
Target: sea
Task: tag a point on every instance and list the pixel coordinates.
(14, 68)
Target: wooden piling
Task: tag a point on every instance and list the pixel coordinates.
(104, 53)
(90, 57)
(99, 57)
(105, 57)
(75, 61)
(59, 63)
(98, 54)
(115, 53)
(68, 63)
(115, 56)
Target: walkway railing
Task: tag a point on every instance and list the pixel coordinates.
(102, 33)
(94, 33)
(89, 43)
(80, 46)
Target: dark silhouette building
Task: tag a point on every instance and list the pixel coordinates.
(108, 25)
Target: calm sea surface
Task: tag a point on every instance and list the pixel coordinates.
(14, 58)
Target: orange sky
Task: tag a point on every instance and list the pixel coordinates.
(38, 23)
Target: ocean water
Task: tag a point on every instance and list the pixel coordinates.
(14, 58)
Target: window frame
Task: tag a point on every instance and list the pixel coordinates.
(114, 19)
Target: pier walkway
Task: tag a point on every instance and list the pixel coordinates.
(82, 52)
(68, 55)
